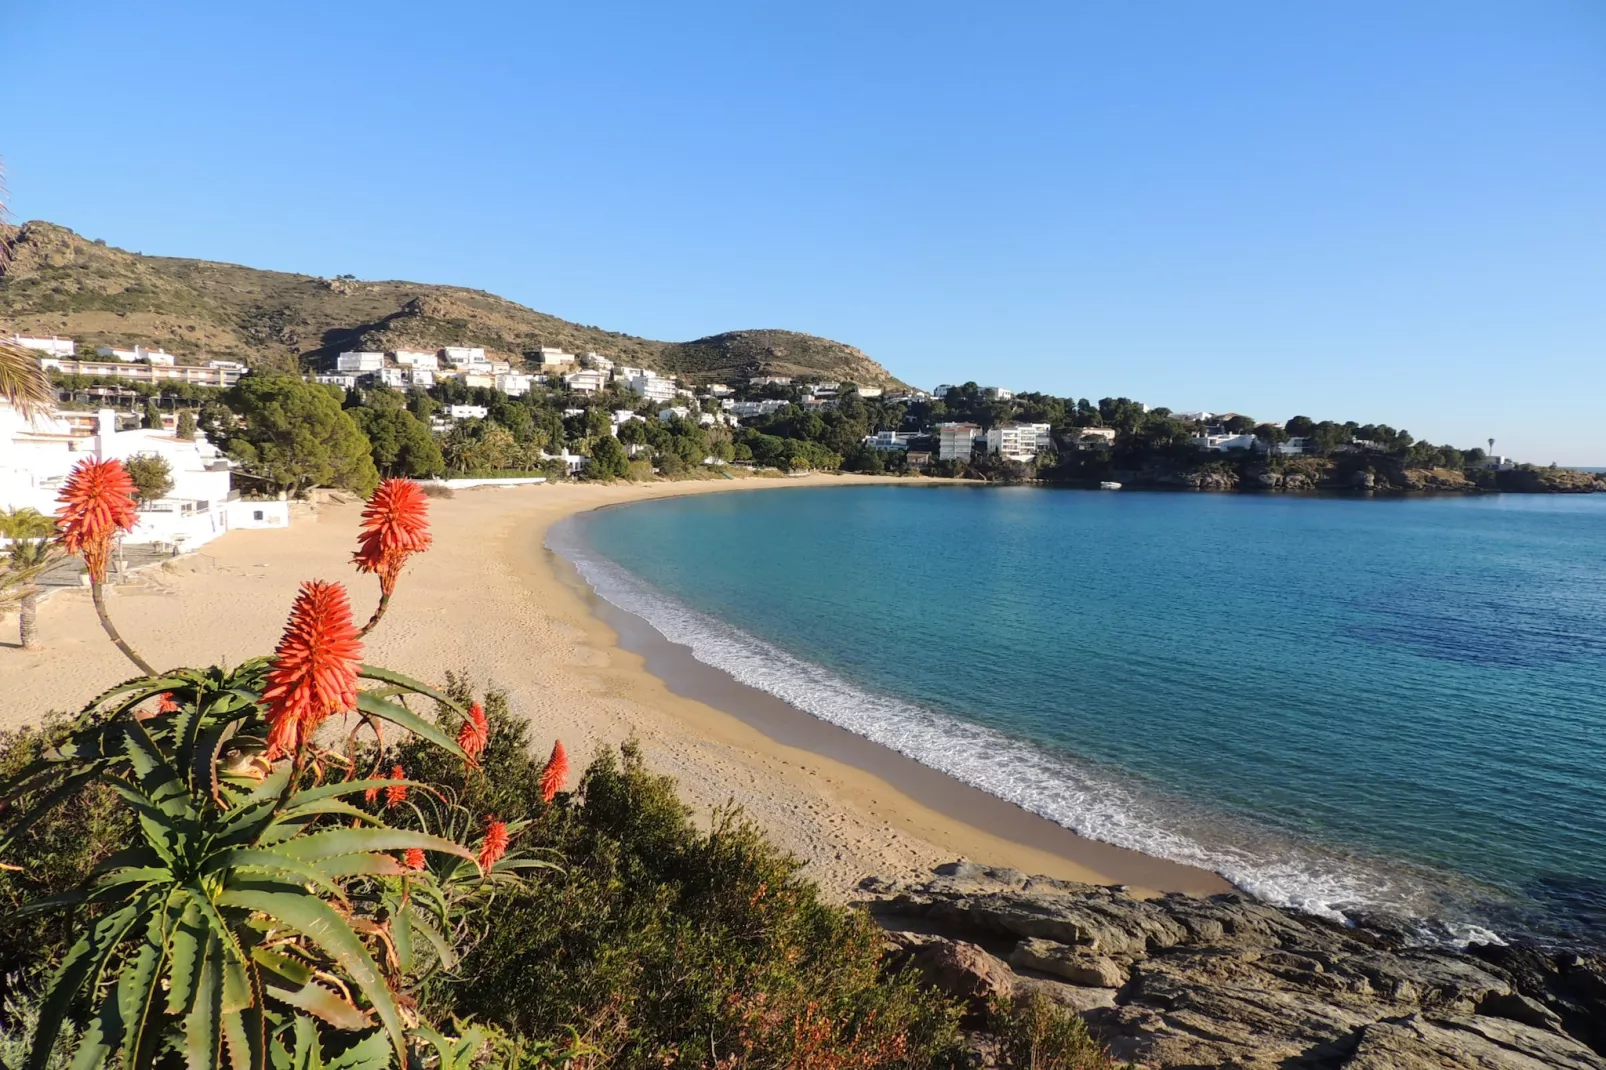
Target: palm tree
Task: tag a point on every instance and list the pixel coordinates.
(26, 563)
(26, 523)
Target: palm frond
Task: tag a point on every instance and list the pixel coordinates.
(23, 383)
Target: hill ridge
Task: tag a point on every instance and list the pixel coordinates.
(64, 284)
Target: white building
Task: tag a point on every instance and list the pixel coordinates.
(413, 358)
(359, 362)
(145, 373)
(941, 390)
(467, 412)
(889, 440)
(596, 362)
(870, 391)
(623, 373)
(1195, 416)
(139, 354)
(718, 390)
(665, 415)
(514, 384)
(767, 407)
(1224, 442)
(585, 382)
(232, 365)
(463, 354)
(653, 388)
(551, 358)
(1094, 438)
(391, 377)
(1019, 442)
(345, 382)
(997, 393)
(37, 456)
(956, 440)
(52, 346)
(771, 380)
(421, 376)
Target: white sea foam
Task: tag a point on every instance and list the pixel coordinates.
(1269, 866)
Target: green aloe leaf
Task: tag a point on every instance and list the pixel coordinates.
(320, 846)
(203, 1042)
(369, 1053)
(251, 858)
(83, 965)
(412, 722)
(187, 955)
(406, 683)
(318, 922)
(364, 864)
(138, 991)
(320, 1002)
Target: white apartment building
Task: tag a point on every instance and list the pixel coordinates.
(870, 391)
(146, 373)
(345, 382)
(754, 408)
(421, 376)
(588, 382)
(37, 456)
(463, 354)
(1019, 442)
(136, 355)
(596, 362)
(467, 412)
(665, 415)
(653, 388)
(359, 362)
(955, 441)
(52, 346)
(514, 384)
(231, 364)
(392, 377)
(413, 358)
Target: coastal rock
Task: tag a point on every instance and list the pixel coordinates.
(959, 968)
(1077, 967)
(1178, 981)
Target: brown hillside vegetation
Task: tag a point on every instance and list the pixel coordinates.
(61, 283)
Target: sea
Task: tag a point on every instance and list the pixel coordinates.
(1348, 706)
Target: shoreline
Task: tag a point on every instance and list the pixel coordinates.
(488, 601)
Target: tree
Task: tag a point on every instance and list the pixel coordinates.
(26, 523)
(400, 445)
(1239, 425)
(608, 460)
(1300, 426)
(295, 436)
(153, 415)
(152, 476)
(1271, 434)
(25, 563)
(23, 382)
(186, 425)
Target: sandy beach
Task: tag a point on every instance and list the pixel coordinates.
(491, 601)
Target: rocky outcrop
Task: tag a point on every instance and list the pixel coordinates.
(1179, 981)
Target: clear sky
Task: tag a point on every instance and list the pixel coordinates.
(1352, 209)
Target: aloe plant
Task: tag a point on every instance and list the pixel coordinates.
(268, 914)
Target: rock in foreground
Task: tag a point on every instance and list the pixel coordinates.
(1181, 982)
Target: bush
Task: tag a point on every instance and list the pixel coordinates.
(660, 944)
(1034, 1033)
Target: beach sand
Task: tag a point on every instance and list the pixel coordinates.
(489, 600)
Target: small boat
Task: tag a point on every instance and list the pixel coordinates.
(1107, 485)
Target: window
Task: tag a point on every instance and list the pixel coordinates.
(256, 514)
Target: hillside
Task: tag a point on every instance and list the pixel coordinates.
(61, 283)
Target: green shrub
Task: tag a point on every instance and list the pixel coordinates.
(659, 944)
(1034, 1033)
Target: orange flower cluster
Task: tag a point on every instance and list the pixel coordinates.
(314, 669)
(396, 794)
(495, 845)
(395, 525)
(555, 772)
(97, 503)
(413, 858)
(474, 734)
(167, 705)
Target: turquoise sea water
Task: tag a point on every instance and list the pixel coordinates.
(1339, 704)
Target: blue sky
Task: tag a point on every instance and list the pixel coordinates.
(1366, 210)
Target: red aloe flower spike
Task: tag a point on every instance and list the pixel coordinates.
(395, 525)
(370, 795)
(396, 794)
(495, 845)
(97, 504)
(413, 858)
(314, 670)
(474, 734)
(555, 773)
(167, 705)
